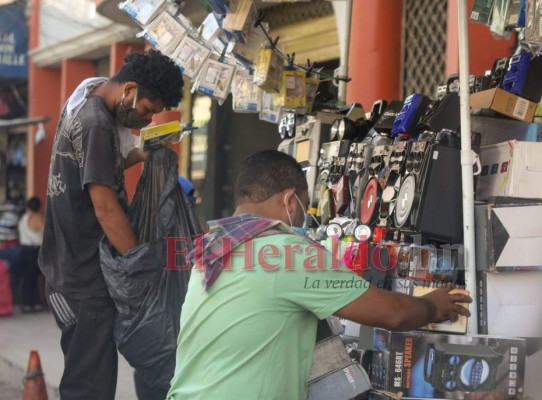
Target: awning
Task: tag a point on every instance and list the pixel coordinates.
(13, 123)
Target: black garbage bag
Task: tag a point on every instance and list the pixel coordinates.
(149, 297)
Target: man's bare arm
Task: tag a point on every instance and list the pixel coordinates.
(112, 218)
(395, 311)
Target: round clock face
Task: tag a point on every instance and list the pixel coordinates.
(334, 230)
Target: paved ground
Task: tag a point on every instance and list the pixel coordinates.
(21, 333)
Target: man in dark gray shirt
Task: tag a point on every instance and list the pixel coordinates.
(86, 199)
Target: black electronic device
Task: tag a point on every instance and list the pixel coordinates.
(430, 197)
(500, 66)
(377, 110)
(458, 367)
(441, 114)
(384, 124)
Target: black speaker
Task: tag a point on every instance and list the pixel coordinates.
(458, 367)
(430, 197)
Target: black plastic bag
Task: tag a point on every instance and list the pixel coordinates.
(148, 296)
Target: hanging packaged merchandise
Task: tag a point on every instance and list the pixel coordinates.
(514, 12)
(240, 21)
(142, 11)
(481, 11)
(211, 30)
(215, 80)
(293, 89)
(271, 107)
(268, 70)
(522, 14)
(220, 7)
(533, 29)
(311, 91)
(505, 15)
(247, 53)
(147, 287)
(165, 33)
(190, 55)
(247, 97)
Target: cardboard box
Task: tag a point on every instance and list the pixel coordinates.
(504, 103)
(424, 365)
(508, 235)
(510, 303)
(510, 169)
(239, 22)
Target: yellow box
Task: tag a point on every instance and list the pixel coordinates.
(293, 90)
(154, 135)
(268, 70)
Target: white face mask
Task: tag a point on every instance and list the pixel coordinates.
(302, 230)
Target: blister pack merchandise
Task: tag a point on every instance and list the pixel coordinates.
(142, 11)
(165, 33)
(247, 96)
(215, 79)
(293, 90)
(268, 70)
(271, 107)
(533, 22)
(190, 56)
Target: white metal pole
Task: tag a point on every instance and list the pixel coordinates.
(345, 49)
(467, 161)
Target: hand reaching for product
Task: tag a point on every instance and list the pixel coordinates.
(448, 304)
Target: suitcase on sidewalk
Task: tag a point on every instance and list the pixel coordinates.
(6, 298)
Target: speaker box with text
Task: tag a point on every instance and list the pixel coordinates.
(424, 365)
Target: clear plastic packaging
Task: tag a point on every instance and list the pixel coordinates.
(268, 70)
(190, 55)
(215, 80)
(271, 107)
(142, 11)
(247, 96)
(165, 33)
(293, 90)
(500, 18)
(533, 29)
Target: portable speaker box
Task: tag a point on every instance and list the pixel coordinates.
(426, 365)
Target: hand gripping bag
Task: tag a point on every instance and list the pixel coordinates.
(149, 297)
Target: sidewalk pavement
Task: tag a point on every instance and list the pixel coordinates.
(20, 333)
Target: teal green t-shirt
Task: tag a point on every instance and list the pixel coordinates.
(252, 334)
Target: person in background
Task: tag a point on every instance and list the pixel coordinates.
(259, 287)
(30, 238)
(86, 199)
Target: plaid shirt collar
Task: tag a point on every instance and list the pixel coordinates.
(224, 236)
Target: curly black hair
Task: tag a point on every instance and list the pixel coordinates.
(266, 173)
(157, 76)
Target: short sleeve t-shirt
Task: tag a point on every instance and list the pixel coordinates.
(85, 150)
(252, 334)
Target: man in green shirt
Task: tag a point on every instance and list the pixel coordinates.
(259, 287)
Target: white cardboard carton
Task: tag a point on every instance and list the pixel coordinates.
(511, 169)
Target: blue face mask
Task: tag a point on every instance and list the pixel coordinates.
(301, 230)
